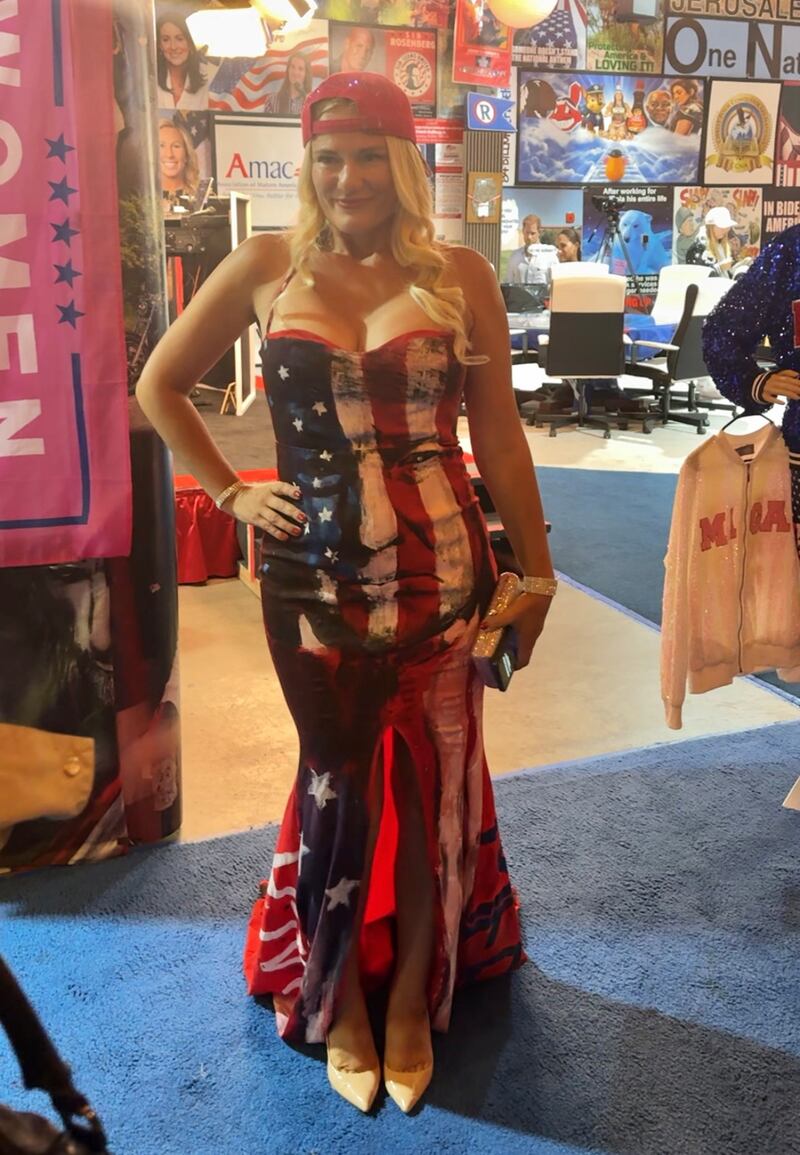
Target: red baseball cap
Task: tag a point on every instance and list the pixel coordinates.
(382, 107)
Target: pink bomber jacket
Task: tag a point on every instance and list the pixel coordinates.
(732, 588)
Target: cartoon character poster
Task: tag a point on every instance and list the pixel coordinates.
(630, 230)
(481, 46)
(558, 41)
(537, 217)
(693, 202)
(405, 55)
(397, 13)
(583, 128)
(787, 147)
(625, 35)
(740, 139)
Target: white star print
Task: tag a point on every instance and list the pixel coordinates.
(283, 372)
(339, 895)
(325, 514)
(320, 407)
(303, 850)
(317, 483)
(307, 529)
(331, 554)
(325, 455)
(298, 424)
(321, 790)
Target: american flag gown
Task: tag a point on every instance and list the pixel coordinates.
(370, 617)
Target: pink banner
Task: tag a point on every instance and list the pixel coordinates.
(64, 453)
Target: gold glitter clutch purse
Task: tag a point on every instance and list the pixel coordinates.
(495, 651)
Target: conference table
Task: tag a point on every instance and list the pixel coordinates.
(526, 328)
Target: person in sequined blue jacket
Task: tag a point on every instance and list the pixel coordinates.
(765, 302)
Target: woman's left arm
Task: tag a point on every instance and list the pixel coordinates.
(500, 448)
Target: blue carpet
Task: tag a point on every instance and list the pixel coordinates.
(610, 533)
(659, 1015)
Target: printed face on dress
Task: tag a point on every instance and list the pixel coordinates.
(171, 152)
(358, 49)
(352, 178)
(173, 45)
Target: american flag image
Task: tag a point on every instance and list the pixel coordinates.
(371, 614)
(242, 85)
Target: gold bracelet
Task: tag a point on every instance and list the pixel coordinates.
(235, 487)
(537, 585)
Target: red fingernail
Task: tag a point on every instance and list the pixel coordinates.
(301, 517)
(295, 530)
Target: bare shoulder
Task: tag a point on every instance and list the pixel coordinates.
(262, 258)
(469, 267)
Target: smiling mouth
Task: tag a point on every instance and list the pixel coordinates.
(352, 203)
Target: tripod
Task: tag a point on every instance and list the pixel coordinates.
(611, 233)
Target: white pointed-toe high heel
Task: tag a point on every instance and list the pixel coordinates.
(407, 1087)
(357, 1087)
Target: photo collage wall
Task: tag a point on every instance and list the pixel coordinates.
(633, 117)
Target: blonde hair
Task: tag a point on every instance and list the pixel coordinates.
(191, 169)
(720, 249)
(412, 239)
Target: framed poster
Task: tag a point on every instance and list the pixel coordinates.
(484, 197)
(406, 56)
(262, 158)
(625, 35)
(481, 46)
(557, 42)
(584, 128)
(691, 204)
(740, 139)
(277, 83)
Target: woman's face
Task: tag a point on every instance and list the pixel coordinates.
(173, 45)
(679, 94)
(718, 232)
(353, 181)
(172, 153)
(567, 249)
(296, 72)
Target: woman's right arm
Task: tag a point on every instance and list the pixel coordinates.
(215, 317)
(738, 324)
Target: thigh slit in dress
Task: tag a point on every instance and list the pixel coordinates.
(370, 616)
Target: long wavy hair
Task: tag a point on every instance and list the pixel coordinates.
(195, 73)
(282, 105)
(191, 170)
(412, 239)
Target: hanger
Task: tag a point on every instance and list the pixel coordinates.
(739, 417)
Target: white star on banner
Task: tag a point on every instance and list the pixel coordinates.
(331, 554)
(298, 424)
(283, 372)
(321, 790)
(325, 455)
(339, 895)
(307, 529)
(320, 407)
(325, 514)
(303, 850)
(317, 483)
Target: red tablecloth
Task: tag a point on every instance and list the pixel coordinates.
(206, 537)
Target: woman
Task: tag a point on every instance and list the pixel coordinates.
(376, 572)
(686, 116)
(712, 246)
(568, 245)
(181, 72)
(180, 175)
(289, 99)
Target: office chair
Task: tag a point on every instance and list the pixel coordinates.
(673, 280)
(578, 269)
(585, 342)
(684, 356)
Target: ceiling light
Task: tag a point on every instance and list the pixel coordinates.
(523, 13)
(229, 31)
